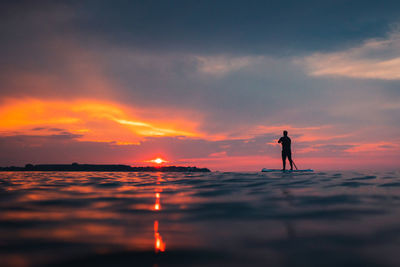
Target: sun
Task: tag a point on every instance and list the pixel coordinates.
(158, 160)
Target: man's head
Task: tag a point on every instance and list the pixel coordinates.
(285, 133)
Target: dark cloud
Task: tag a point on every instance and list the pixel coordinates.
(237, 26)
(56, 129)
(274, 27)
(38, 128)
(50, 129)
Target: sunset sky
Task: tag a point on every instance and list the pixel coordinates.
(200, 83)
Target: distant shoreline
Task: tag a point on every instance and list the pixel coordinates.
(75, 167)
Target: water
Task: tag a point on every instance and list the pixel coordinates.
(199, 219)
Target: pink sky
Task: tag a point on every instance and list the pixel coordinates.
(71, 93)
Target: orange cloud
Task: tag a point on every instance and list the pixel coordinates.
(92, 120)
(374, 147)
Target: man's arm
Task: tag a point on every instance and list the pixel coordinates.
(280, 140)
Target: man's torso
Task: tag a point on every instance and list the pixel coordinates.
(286, 142)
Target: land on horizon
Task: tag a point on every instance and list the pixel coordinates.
(103, 168)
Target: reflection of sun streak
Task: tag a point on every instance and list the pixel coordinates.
(159, 244)
(157, 205)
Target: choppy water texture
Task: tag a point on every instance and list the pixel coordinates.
(199, 219)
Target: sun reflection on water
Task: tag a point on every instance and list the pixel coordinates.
(157, 205)
(159, 244)
(229, 219)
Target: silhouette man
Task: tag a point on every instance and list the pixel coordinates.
(286, 151)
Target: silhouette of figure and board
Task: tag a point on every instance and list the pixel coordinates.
(286, 143)
(286, 150)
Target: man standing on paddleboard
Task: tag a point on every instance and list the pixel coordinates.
(286, 150)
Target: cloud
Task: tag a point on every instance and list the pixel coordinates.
(231, 26)
(374, 59)
(93, 120)
(130, 80)
(220, 65)
(373, 147)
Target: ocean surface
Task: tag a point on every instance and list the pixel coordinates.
(199, 219)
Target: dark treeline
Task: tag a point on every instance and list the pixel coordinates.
(101, 168)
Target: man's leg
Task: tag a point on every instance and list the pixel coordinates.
(290, 160)
(283, 160)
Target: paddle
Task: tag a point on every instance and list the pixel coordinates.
(294, 164)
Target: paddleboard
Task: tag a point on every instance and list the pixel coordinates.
(277, 170)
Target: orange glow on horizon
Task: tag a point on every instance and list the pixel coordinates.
(89, 120)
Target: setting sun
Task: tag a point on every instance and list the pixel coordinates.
(158, 160)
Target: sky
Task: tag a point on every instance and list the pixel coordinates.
(201, 83)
